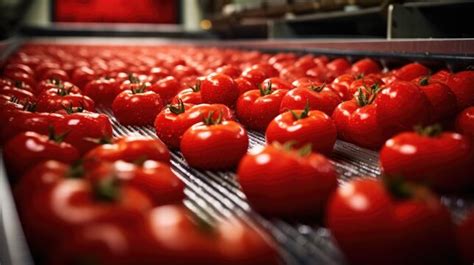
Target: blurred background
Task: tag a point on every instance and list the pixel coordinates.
(240, 19)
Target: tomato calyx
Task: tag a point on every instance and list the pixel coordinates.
(140, 89)
(303, 114)
(133, 78)
(15, 100)
(363, 99)
(19, 84)
(317, 88)
(62, 91)
(107, 189)
(140, 160)
(209, 120)
(424, 81)
(196, 87)
(76, 170)
(359, 76)
(70, 109)
(403, 190)
(288, 147)
(29, 106)
(57, 138)
(429, 131)
(178, 108)
(265, 90)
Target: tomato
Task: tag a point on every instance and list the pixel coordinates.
(462, 85)
(365, 66)
(156, 73)
(129, 149)
(21, 77)
(102, 91)
(319, 73)
(57, 212)
(317, 97)
(341, 85)
(137, 107)
(83, 75)
(84, 130)
(305, 62)
(440, 159)
(47, 84)
(56, 99)
(167, 88)
(229, 70)
(20, 94)
(364, 83)
(204, 144)
(173, 236)
(153, 178)
(465, 239)
(303, 127)
(17, 121)
(27, 149)
(465, 122)
(191, 95)
(285, 182)
(243, 85)
(411, 71)
(254, 76)
(57, 74)
(256, 108)
(18, 67)
(219, 88)
(441, 76)
(413, 229)
(356, 120)
(174, 120)
(401, 106)
(441, 98)
(338, 67)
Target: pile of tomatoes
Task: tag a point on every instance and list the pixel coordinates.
(116, 201)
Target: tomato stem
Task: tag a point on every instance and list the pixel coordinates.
(424, 81)
(303, 114)
(197, 86)
(76, 170)
(265, 90)
(429, 131)
(107, 189)
(178, 108)
(317, 88)
(210, 121)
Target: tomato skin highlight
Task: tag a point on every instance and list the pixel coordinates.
(140, 108)
(280, 183)
(218, 146)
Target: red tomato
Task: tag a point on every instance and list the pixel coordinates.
(465, 122)
(365, 66)
(47, 84)
(462, 84)
(18, 67)
(57, 74)
(20, 94)
(364, 83)
(56, 99)
(229, 70)
(130, 149)
(411, 71)
(173, 237)
(256, 108)
(401, 106)
(190, 95)
(442, 160)
(83, 75)
(305, 62)
(338, 67)
(441, 76)
(56, 213)
(21, 77)
(167, 88)
(317, 97)
(102, 90)
(319, 73)
(174, 120)
(303, 127)
(137, 107)
(254, 76)
(157, 73)
(442, 99)
(243, 85)
(362, 215)
(204, 144)
(465, 239)
(84, 130)
(27, 149)
(219, 88)
(286, 183)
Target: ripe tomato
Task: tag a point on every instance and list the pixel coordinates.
(465, 239)
(153, 178)
(191, 95)
(18, 67)
(167, 88)
(318, 97)
(137, 107)
(70, 204)
(219, 88)
(303, 127)
(356, 120)
(173, 237)
(442, 160)
(254, 76)
(411, 71)
(442, 99)
(243, 85)
(286, 183)
(256, 108)
(401, 106)
(230, 70)
(20, 94)
(102, 91)
(462, 85)
(365, 66)
(27, 149)
(130, 149)
(47, 84)
(337, 67)
(173, 121)
(57, 74)
(83, 75)
(84, 130)
(415, 229)
(204, 144)
(465, 122)
(22, 77)
(56, 99)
